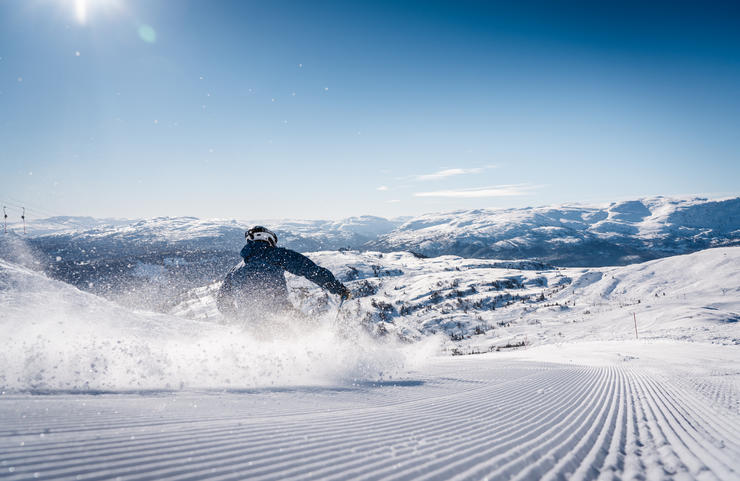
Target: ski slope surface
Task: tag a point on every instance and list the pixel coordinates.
(475, 417)
(92, 390)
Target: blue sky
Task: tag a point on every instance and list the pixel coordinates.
(330, 109)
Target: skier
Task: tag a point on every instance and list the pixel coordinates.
(256, 286)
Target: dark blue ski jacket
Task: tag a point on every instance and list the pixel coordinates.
(258, 283)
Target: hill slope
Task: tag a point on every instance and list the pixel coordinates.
(482, 305)
(574, 235)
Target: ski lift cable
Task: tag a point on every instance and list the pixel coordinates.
(36, 210)
(32, 207)
(15, 206)
(40, 213)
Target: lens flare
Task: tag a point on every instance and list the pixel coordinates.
(147, 33)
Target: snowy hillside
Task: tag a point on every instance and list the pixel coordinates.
(471, 306)
(575, 235)
(482, 305)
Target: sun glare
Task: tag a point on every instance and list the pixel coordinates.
(81, 10)
(84, 8)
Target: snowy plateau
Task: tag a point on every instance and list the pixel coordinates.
(564, 342)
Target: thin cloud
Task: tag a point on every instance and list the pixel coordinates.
(383, 187)
(392, 201)
(479, 192)
(442, 174)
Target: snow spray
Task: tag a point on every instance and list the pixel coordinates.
(57, 338)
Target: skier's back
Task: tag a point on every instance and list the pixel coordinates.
(257, 284)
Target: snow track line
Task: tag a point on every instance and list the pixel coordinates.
(687, 453)
(508, 435)
(141, 444)
(263, 442)
(707, 419)
(508, 463)
(467, 426)
(489, 420)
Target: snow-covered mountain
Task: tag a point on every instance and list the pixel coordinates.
(569, 234)
(156, 259)
(212, 234)
(574, 235)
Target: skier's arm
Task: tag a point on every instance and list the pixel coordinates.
(300, 265)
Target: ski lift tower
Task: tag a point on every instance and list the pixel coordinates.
(5, 220)
(23, 217)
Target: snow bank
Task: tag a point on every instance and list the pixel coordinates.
(55, 337)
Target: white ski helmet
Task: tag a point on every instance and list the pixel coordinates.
(262, 233)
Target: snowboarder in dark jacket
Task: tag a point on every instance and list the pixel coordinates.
(257, 285)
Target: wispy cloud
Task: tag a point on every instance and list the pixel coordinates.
(383, 187)
(392, 201)
(442, 174)
(492, 191)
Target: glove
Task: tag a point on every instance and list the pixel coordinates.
(345, 294)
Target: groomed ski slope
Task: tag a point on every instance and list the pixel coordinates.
(493, 416)
(92, 390)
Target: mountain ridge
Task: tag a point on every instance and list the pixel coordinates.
(567, 234)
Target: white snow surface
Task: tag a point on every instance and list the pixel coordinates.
(496, 416)
(91, 390)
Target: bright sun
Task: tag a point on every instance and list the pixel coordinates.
(83, 7)
(81, 10)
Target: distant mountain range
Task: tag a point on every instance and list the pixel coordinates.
(574, 235)
(101, 254)
(569, 234)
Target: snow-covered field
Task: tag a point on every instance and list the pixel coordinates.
(91, 390)
(494, 416)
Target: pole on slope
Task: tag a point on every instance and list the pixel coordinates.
(23, 217)
(5, 220)
(634, 316)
